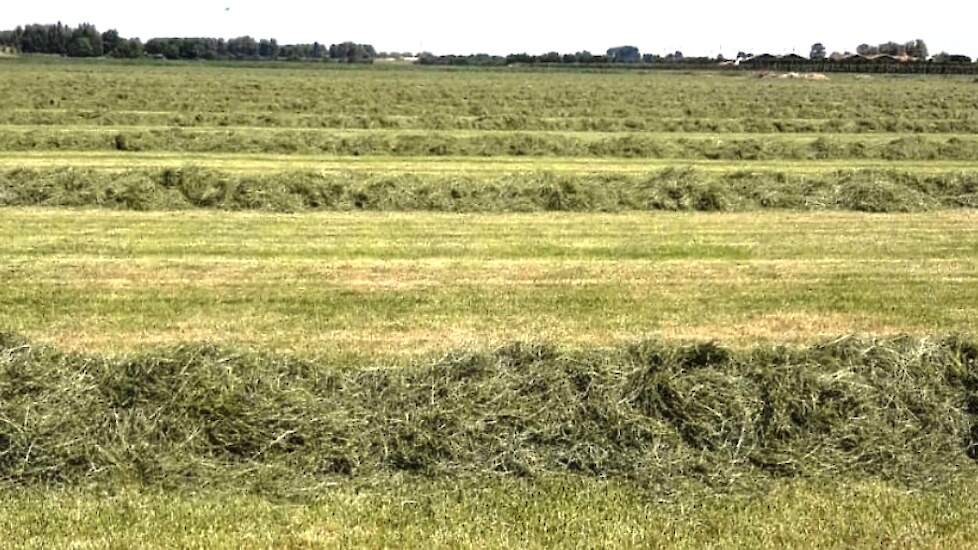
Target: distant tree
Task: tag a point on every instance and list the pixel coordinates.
(624, 54)
(110, 41)
(128, 49)
(550, 57)
(918, 49)
(676, 57)
(892, 48)
(317, 50)
(94, 37)
(353, 53)
(866, 49)
(818, 52)
(243, 46)
(268, 48)
(81, 46)
(166, 47)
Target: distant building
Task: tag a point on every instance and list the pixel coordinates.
(762, 59)
(957, 59)
(885, 58)
(792, 58)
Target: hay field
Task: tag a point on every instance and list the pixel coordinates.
(307, 307)
(419, 283)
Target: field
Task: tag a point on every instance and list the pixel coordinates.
(298, 306)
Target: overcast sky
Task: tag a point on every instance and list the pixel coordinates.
(696, 27)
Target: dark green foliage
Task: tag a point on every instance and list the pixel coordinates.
(86, 41)
(670, 189)
(899, 409)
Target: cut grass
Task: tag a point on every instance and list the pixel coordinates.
(497, 514)
(658, 415)
(407, 284)
(297, 95)
(351, 293)
(670, 189)
(437, 143)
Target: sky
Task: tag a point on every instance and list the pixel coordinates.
(695, 27)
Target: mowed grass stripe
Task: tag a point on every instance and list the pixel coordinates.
(270, 163)
(499, 514)
(406, 284)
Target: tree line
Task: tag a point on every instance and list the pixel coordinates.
(620, 55)
(86, 41)
(908, 57)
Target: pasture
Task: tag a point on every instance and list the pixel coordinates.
(413, 307)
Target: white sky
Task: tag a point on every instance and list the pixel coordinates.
(696, 27)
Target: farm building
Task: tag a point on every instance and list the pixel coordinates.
(956, 59)
(762, 59)
(792, 58)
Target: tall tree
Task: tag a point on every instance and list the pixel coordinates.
(818, 51)
(918, 49)
(110, 41)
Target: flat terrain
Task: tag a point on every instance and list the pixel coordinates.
(502, 514)
(371, 220)
(240, 163)
(410, 283)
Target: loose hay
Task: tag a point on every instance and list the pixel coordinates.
(900, 409)
(672, 189)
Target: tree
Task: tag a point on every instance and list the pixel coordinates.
(86, 33)
(353, 53)
(128, 49)
(81, 46)
(866, 49)
(110, 41)
(624, 54)
(268, 48)
(550, 57)
(892, 48)
(918, 49)
(818, 51)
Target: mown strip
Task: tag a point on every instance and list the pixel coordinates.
(498, 513)
(244, 163)
(400, 284)
(659, 415)
(669, 189)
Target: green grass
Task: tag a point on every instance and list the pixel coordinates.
(501, 514)
(852, 442)
(482, 100)
(120, 434)
(416, 283)
(439, 143)
(669, 189)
